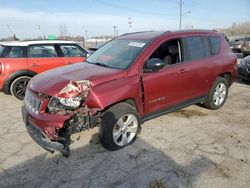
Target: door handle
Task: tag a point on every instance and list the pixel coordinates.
(68, 63)
(34, 65)
(183, 71)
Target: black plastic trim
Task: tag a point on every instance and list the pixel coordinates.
(172, 108)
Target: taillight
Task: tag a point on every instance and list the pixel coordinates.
(1, 68)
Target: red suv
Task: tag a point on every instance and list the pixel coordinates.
(129, 80)
(19, 61)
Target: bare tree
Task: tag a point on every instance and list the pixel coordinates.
(237, 29)
(63, 29)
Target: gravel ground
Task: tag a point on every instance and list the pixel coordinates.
(193, 147)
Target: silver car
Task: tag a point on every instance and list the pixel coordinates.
(246, 46)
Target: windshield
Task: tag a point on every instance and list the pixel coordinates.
(119, 53)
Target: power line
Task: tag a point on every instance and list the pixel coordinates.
(132, 9)
(212, 9)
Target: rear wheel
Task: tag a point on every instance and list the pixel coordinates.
(18, 86)
(119, 127)
(218, 94)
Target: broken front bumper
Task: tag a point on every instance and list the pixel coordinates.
(38, 134)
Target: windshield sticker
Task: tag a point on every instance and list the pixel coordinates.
(137, 44)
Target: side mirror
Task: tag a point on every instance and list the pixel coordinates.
(153, 64)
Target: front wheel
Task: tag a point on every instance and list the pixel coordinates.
(18, 87)
(119, 127)
(218, 94)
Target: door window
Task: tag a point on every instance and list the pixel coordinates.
(72, 51)
(194, 48)
(215, 45)
(42, 51)
(169, 52)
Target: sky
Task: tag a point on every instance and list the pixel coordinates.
(34, 18)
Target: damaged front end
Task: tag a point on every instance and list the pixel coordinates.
(51, 121)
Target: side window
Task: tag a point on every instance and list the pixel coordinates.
(215, 45)
(72, 51)
(169, 52)
(194, 48)
(42, 51)
(15, 52)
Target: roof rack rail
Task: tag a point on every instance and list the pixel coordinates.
(136, 32)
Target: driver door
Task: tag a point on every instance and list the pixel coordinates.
(164, 88)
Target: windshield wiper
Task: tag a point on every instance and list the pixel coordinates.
(101, 64)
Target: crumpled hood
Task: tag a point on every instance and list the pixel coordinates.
(53, 81)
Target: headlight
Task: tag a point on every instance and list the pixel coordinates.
(71, 102)
(61, 104)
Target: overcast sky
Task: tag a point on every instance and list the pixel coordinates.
(32, 18)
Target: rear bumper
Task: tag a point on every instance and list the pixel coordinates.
(236, 47)
(46, 136)
(1, 83)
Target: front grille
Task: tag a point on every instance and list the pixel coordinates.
(31, 102)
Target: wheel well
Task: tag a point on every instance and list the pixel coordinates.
(128, 101)
(228, 77)
(8, 81)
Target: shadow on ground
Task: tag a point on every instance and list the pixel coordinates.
(137, 165)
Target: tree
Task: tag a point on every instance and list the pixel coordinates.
(63, 29)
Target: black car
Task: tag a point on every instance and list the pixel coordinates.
(244, 69)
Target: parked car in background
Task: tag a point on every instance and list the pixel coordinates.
(244, 69)
(19, 61)
(131, 79)
(96, 47)
(246, 46)
(236, 44)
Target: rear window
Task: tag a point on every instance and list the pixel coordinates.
(194, 48)
(15, 52)
(215, 45)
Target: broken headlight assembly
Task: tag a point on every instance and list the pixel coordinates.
(61, 104)
(69, 98)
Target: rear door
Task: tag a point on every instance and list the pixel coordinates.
(72, 53)
(42, 57)
(197, 66)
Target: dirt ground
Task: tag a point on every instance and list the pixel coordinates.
(194, 147)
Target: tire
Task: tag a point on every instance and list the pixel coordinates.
(18, 87)
(217, 95)
(116, 132)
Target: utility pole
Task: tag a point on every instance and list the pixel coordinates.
(86, 35)
(181, 3)
(114, 30)
(182, 14)
(129, 24)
